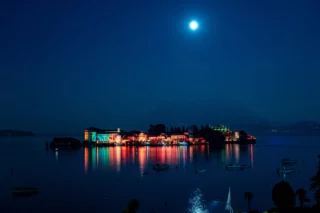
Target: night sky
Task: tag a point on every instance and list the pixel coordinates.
(70, 64)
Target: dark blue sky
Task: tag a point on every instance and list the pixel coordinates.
(66, 65)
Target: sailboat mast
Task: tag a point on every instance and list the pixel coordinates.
(228, 203)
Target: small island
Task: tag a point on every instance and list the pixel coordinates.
(16, 133)
(160, 135)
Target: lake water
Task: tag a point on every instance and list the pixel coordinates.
(105, 179)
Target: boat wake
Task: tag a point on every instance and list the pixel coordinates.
(196, 203)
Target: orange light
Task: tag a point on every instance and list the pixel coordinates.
(86, 159)
(86, 135)
(142, 158)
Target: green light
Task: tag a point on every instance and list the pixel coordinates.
(93, 136)
(103, 138)
(104, 153)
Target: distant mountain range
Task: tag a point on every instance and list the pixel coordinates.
(300, 128)
(188, 113)
(16, 133)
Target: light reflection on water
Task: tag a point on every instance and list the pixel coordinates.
(116, 157)
(143, 159)
(197, 203)
(57, 155)
(61, 171)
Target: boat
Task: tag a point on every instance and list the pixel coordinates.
(65, 143)
(288, 161)
(160, 167)
(24, 191)
(235, 166)
(200, 171)
(285, 170)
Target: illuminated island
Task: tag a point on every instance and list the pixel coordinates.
(160, 135)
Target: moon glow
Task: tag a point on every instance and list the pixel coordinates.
(193, 25)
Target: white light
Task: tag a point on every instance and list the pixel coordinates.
(193, 25)
(118, 139)
(196, 203)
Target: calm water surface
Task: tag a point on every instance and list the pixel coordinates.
(105, 179)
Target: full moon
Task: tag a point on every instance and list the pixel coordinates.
(193, 25)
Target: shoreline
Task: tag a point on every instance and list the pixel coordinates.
(156, 145)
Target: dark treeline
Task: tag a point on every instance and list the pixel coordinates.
(205, 132)
(161, 128)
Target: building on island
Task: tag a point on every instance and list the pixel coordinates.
(179, 137)
(233, 136)
(109, 136)
(154, 138)
(90, 134)
(135, 137)
(101, 136)
(142, 137)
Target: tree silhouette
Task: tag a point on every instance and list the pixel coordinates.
(302, 196)
(132, 206)
(151, 128)
(248, 196)
(283, 196)
(157, 129)
(315, 184)
(213, 137)
(195, 130)
(243, 135)
(316, 208)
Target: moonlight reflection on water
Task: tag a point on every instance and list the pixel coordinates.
(196, 203)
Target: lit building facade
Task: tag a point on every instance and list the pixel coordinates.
(232, 136)
(108, 136)
(175, 138)
(90, 136)
(157, 138)
(142, 137)
(93, 135)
